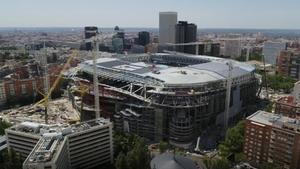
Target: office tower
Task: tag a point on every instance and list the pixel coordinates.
(185, 33)
(118, 40)
(116, 28)
(167, 23)
(89, 31)
(288, 63)
(85, 145)
(271, 51)
(117, 44)
(91, 144)
(233, 48)
(23, 138)
(271, 138)
(144, 38)
(209, 49)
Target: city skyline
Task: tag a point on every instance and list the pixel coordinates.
(136, 13)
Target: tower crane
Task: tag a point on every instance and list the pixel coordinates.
(47, 95)
(228, 94)
(95, 41)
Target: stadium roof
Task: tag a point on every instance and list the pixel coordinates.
(155, 69)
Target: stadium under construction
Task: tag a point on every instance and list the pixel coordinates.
(165, 96)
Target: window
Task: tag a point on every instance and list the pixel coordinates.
(2, 92)
(34, 85)
(23, 89)
(11, 89)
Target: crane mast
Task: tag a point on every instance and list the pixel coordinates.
(228, 95)
(95, 79)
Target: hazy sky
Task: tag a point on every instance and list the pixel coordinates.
(144, 13)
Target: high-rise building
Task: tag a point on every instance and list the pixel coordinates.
(271, 50)
(85, 145)
(288, 63)
(167, 23)
(233, 48)
(117, 44)
(185, 33)
(144, 38)
(89, 31)
(209, 49)
(272, 138)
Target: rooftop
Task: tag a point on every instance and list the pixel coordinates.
(53, 130)
(45, 149)
(275, 120)
(289, 100)
(167, 69)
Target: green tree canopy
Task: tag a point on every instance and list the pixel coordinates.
(163, 146)
(216, 163)
(3, 125)
(132, 152)
(10, 160)
(279, 82)
(234, 140)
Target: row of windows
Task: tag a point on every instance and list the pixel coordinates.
(12, 91)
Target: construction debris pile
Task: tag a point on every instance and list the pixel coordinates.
(60, 111)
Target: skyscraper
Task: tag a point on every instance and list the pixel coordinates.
(144, 38)
(90, 31)
(233, 48)
(167, 23)
(185, 33)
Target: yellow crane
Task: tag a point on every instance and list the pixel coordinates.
(46, 96)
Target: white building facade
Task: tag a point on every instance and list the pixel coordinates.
(167, 23)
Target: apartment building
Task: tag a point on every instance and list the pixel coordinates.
(288, 63)
(288, 106)
(272, 138)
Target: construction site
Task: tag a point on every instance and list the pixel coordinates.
(164, 96)
(60, 111)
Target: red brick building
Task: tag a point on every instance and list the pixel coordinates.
(288, 106)
(27, 81)
(288, 63)
(271, 138)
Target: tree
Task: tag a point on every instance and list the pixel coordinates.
(234, 141)
(132, 152)
(121, 162)
(163, 146)
(255, 56)
(269, 107)
(270, 166)
(3, 125)
(240, 157)
(216, 163)
(10, 160)
(279, 82)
